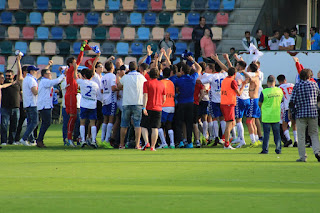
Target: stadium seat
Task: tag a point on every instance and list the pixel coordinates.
(191, 47)
(180, 48)
(178, 18)
(28, 33)
(164, 18)
(6, 47)
(55, 70)
(200, 4)
(174, 33)
(122, 48)
(209, 17)
(150, 19)
(217, 33)
(135, 19)
(114, 5)
(107, 48)
(114, 33)
(42, 4)
(107, 19)
(92, 18)
(214, 5)
(27, 59)
(64, 48)
(128, 59)
(171, 5)
(142, 5)
(100, 33)
(2, 60)
(57, 60)
(91, 44)
(156, 5)
(129, 33)
(136, 48)
(143, 33)
(42, 33)
(41, 66)
(78, 18)
(3, 32)
(13, 4)
(13, 33)
(22, 46)
(49, 18)
(35, 18)
(185, 4)
(50, 48)
(193, 18)
(42, 60)
(76, 48)
(2, 4)
(6, 18)
(157, 33)
(56, 33)
(71, 5)
(27, 4)
(154, 46)
(20, 17)
(186, 33)
(228, 4)
(64, 18)
(35, 48)
(71, 33)
(10, 62)
(222, 19)
(56, 5)
(2, 69)
(200, 59)
(85, 33)
(99, 5)
(127, 5)
(54, 75)
(84, 5)
(121, 18)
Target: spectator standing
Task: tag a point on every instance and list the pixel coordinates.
(297, 38)
(262, 40)
(274, 40)
(286, 43)
(208, 48)
(167, 43)
(315, 39)
(305, 96)
(247, 40)
(197, 35)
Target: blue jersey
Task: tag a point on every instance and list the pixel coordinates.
(186, 85)
(315, 42)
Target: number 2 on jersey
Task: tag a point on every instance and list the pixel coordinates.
(88, 93)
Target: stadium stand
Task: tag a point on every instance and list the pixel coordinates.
(121, 18)
(174, 33)
(179, 18)
(13, 33)
(2, 4)
(128, 59)
(186, 33)
(27, 60)
(56, 33)
(222, 19)
(76, 48)
(217, 33)
(129, 33)
(114, 33)
(64, 48)
(156, 5)
(136, 48)
(214, 5)
(171, 5)
(35, 48)
(185, 4)
(128, 5)
(13, 5)
(6, 47)
(6, 18)
(142, 5)
(180, 48)
(107, 19)
(42, 33)
(50, 48)
(22, 46)
(228, 4)
(200, 4)
(150, 19)
(2, 32)
(157, 33)
(71, 33)
(100, 33)
(122, 48)
(42, 60)
(114, 5)
(154, 46)
(135, 19)
(209, 16)
(56, 5)
(27, 4)
(84, 5)
(107, 48)
(92, 18)
(35, 18)
(71, 5)
(193, 18)
(42, 5)
(99, 5)
(64, 18)
(20, 17)
(28, 33)
(85, 33)
(78, 18)
(143, 33)
(164, 18)
(49, 18)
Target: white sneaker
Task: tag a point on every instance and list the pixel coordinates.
(16, 143)
(229, 147)
(242, 143)
(237, 140)
(3, 144)
(23, 142)
(33, 143)
(82, 144)
(162, 146)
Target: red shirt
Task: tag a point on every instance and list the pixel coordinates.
(196, 93)
(300, 67)
(147, 76)
(72, 86)
(155, 90)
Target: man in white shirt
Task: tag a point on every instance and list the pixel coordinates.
(132, 103)
(30, 94)
(45, 104)
(287, 43)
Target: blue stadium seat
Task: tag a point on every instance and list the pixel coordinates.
(180, 48)
(114, 5)
(193, 18)
(55, 68)
(43, 33)
(92, 18)
(3, 32)
(135, 19)
(200, 59)
(27, 4)
(174, 33)
(76, 48)
(22, 46)
(2, 4)
(200, 4)
(6, 18)
(2, 68)
(177, 60)
(209, 16)
(84, 4)
(150, 19)
(142, 5)
(57, 33)
(143, 33)
(42, 60)
(137, 48)
(42, 5)
(228, 4)
(122, 48)
(107, 48)
(35, 18)
(122, 18)
(214, 5)
(27, 59)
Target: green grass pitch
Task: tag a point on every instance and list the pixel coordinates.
(59, 179)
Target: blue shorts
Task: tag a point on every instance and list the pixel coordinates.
(254, 109)
(110, 109)
(286, 116)
(131, 111)
(242, 107)
(90, 114)
(214, 110)
(203, 108)
(166, 117)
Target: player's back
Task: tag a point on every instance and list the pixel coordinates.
(89, 92)
(215, 83)
(107, 81)
(287, 92)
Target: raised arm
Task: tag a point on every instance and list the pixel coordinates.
(216, 59)
(19, 73)
(149, 53)
(75, 73)
(226, 57)
(198, 67)
(96, 59)
(298, 65)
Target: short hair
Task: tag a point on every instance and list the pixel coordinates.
(201, 17)
(24, 68)
(294, 29)
(9, 71)
(132, 65)
(174, 68)
(258, 30)
(70, 60)
(97, 64)
(203, 65)
(217, 67)
(1, 73)
(257, 62)
(232, 48)
(144, 66)
(275, 31)
(166, 72)
(306, 74)
(185, 68)
(314, 29)
(281, 78)
(253, 67)
(287, 31)
(231, 71)
(271, 79)
(87, 73)
(242, 64)
(43, 71)
(247, 32)
(154, 73)
(211, 66)
(108, 65)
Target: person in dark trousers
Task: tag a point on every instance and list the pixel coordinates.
(197, 34)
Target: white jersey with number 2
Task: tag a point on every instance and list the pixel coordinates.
(89, 92)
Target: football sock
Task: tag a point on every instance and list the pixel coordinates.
(171, 136)
(82, 133)
(103, 132)
(216, 128)
(253, 138)
(223, 126)
(210, 128)
(287, 134)
(71, 123)
(109, 130)
(295, 135)
(93, 133)
(161, 136)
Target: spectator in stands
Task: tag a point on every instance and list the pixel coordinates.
(262, 40)
(297, 38)
(274, 40)
(231, 56)
(197, 35)
(167, 43)
(208, 48)
(315, 39)
(247, 40)
(286, 43)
